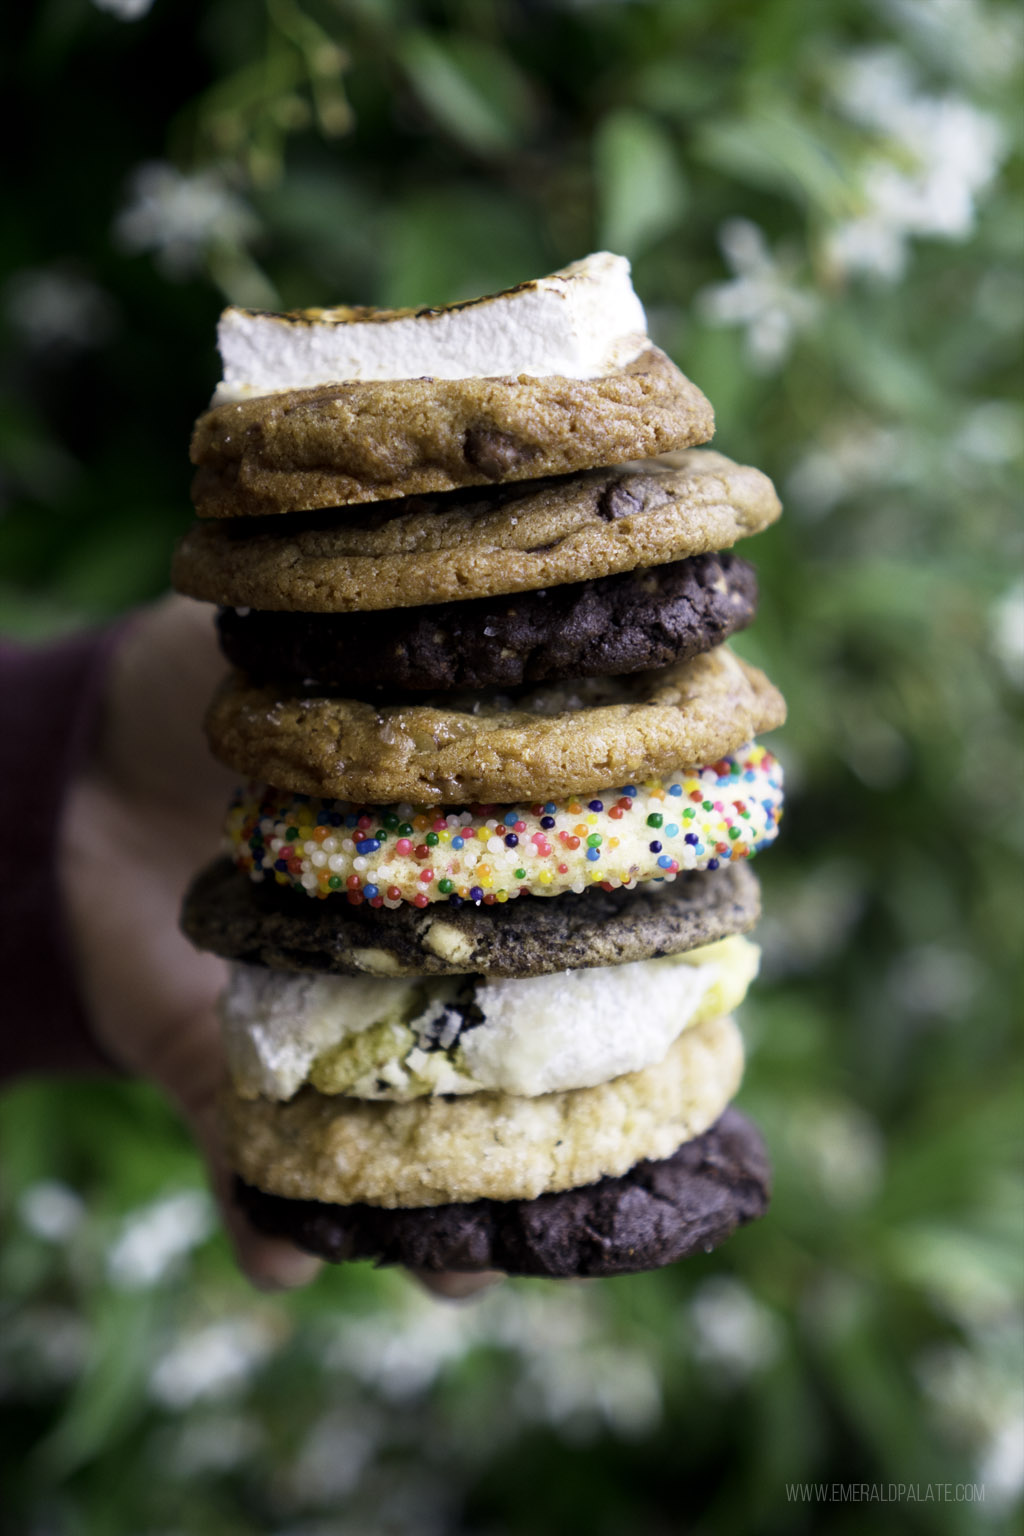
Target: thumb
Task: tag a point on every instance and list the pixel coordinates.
(188, 1060)
(270, 1263)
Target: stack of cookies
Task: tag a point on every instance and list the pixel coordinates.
(487, 878)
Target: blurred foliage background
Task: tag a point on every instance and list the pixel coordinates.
(822, 207)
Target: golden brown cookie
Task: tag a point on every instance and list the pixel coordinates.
(370, 441)
(508, 539)
(559, 739)
(486, 1146)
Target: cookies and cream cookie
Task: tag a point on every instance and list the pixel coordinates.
(510, 538)
(277, 926)
(655, 1214)
(430, 1151)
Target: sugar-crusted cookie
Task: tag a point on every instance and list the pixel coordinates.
(558, 740)
(487, 1146)
(389, 854)
(509, 538)
(652, 1215)
(616, 624)
(266, 925)
(360, 441)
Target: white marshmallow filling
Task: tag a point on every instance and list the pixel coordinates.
(581, 322)
(374, 1038)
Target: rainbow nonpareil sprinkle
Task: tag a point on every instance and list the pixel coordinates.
(394, 854)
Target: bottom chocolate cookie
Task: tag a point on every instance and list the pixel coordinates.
(655, 1214)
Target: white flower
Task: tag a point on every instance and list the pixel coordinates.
(993, 432)
(982, 42)
(941, 156)
(849, 456)
(731, 1330)
(402, 1354)
(155, 1239)
(816, 919)
(762, 296)
(584, 1391)
(217, 1444)
(124, 10)
(976, 1399)
(1001, 1465)
(934, 981)
(334, 1455)
(51, 1210)
(842, 1148)
(41, 1346)
(1006, 633)
(211, 1362)
(181, 217)
(58, 307)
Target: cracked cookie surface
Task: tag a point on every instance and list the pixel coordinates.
(269, 925)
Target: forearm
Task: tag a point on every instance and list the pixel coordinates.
(51, 705)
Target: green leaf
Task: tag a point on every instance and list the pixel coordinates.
(640, 186)
(471, 89)
(106, 1401)
(457, 243)
(776, 150)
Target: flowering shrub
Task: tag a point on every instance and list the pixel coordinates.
(822, 207)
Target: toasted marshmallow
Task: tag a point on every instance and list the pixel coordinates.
(580, 323)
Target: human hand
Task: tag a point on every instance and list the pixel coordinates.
(138, 824)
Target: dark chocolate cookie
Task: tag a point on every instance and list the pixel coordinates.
(625, 623)
(267, 924)
(655, 1214)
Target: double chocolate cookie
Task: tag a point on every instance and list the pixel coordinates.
(617, 624)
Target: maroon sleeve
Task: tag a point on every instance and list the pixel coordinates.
(50, 702)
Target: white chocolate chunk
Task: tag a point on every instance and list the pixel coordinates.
(582, 322)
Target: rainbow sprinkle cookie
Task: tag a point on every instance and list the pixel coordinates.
(395, 854)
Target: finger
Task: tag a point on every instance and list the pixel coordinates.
(270, 1263)
(457, 1287)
